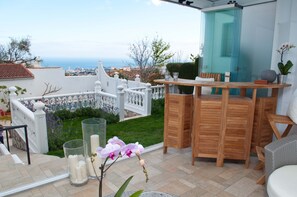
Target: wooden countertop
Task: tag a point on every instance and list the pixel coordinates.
(188, 82)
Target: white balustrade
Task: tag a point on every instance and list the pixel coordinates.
(21, 115)
(70, 102)
(138, 100)
(158, 92)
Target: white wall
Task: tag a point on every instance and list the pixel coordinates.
(55, 77)
(286, 31)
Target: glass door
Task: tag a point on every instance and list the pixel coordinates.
(222, 42)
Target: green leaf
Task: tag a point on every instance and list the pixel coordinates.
(288, 66)
(123, 187)
(136, 194)
(281, 67)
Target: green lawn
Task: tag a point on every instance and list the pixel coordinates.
(146, 130)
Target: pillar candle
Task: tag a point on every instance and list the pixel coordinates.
(72, 162)
(83, 170)
(78, 174)
(94, 143)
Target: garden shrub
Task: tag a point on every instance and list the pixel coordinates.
(158, 107)
(188, 70)
(173, 67)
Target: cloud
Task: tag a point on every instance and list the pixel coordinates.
(156, 2)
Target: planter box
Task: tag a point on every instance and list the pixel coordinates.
(178, 120)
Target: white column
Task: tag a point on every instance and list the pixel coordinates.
(121, 102)
(97, 90)
(40, 127)
(12, 96)
(125, 83)
(137, 79)
(148, 99)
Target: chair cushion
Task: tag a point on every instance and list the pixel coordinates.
(282, 182)
(292, 111)
(205, 90)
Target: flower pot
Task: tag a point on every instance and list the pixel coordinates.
(282, 79)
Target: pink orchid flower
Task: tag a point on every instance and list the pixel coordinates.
(110, 150)
(116, 140)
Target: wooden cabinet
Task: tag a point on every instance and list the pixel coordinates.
(210, 140)
(178, 120)
(262, 131)
(222, 125)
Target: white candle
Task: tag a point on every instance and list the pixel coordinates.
(94, 143)
(72, 162)
(78, 173)
(83, 170)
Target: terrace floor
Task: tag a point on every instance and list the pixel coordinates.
(171, 173)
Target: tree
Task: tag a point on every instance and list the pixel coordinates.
(159, 55)
(17, 51)
(148, 55)
(140, 53)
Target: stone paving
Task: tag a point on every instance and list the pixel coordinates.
(170, 173)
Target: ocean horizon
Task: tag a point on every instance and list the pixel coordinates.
(89, 63)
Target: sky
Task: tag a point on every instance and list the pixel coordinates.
(98, 28)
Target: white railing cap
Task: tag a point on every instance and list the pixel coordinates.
(39, 106)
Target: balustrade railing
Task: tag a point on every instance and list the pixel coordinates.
(107, 102)
(158, 92)
(134, 101)
(64, 101)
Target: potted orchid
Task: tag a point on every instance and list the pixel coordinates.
(284, 68)
(114, 150)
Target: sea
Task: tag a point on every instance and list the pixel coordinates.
(87, 63)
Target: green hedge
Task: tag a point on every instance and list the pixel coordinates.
(188, 70)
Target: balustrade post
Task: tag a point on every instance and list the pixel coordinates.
(121, 102)
(148, 99)
(97, 91)
(12, 96)
(116, 78)
(40, 127)
(137, 79)
(125, 83)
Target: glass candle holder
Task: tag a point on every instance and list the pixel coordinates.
(94, 133)
(75, 152)
(175, 76)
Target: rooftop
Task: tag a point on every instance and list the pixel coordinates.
(13, 71)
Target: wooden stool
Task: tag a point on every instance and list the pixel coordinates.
(261, 164)
(273, 120)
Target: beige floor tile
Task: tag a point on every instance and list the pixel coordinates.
(244, 187)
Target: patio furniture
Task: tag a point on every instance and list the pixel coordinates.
(222, 125)
(281, 167)
(274, 119)
(216, 76)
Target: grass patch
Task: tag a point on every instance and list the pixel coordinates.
(147, 130)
